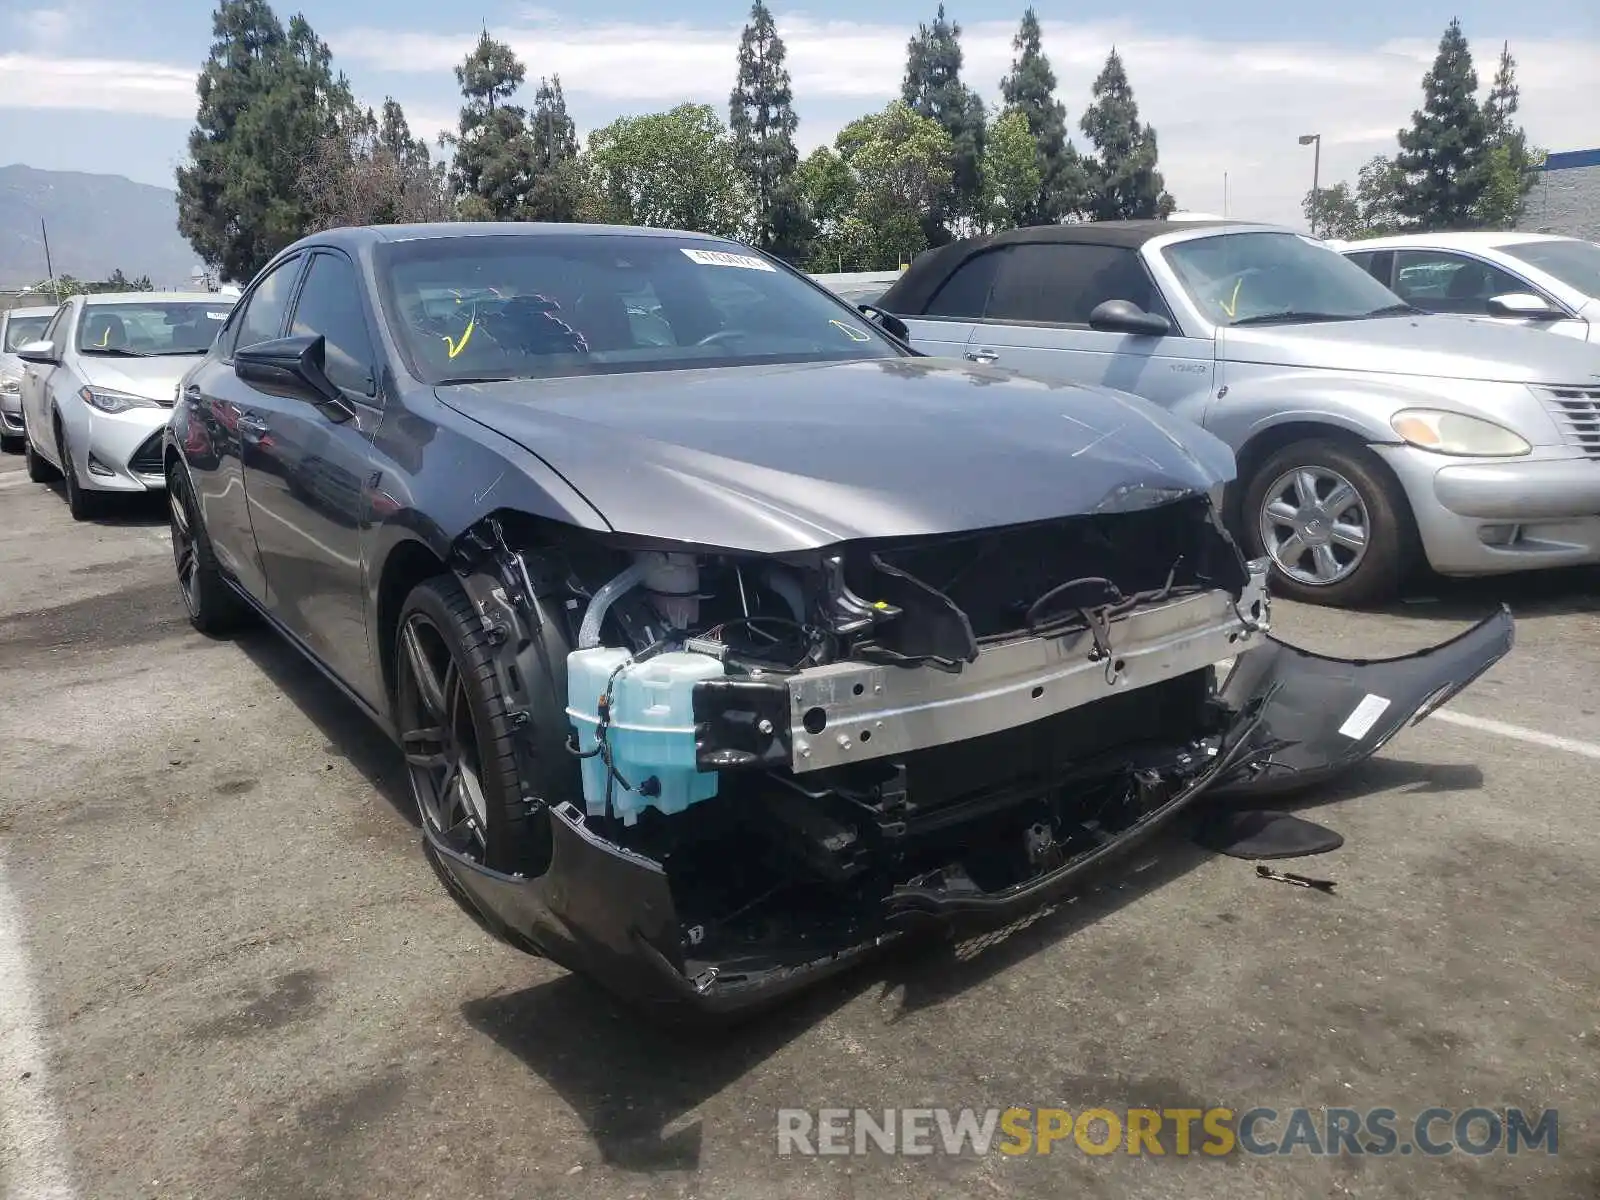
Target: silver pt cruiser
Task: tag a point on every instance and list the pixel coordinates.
(1370, 436)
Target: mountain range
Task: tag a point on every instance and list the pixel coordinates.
(97, 223)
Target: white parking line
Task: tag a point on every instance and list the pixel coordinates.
(30, 1131)
(1534, 737)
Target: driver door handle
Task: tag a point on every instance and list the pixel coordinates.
(250, 423)
(983, 356)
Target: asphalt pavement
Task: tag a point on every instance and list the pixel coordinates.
(227, 971)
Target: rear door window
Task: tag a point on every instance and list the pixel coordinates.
(1061, 284)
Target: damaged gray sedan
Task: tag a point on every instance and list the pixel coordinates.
(725, 637)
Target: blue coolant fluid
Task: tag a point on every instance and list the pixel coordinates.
(651, 731)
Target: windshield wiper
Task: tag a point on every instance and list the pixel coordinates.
(1398, 310)
(120, 351)
(1293, 316)
(457, 379)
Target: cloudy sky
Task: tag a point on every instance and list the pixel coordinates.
(1228, 86)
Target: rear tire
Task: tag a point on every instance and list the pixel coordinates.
(456, 730)
(81, 504)
(213, 607)
(1334, 522)
(39, 468)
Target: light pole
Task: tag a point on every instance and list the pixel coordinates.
(1314, 139)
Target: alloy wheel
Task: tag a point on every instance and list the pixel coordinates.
(185, 553)
(439, 738)
(1315, 525)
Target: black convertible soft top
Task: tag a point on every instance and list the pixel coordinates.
(912, 291)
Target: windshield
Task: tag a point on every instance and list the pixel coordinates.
(1574, 263)
(22, 330)
(156, 327)
(530, 306)
(1265, 278)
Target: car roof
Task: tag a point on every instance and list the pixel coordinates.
(1472, 240)
(355, 236)
(931, 268)
(157, 298)
(29, 312)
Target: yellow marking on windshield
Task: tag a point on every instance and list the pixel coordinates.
(855, 335)
(1232, 306)
(105, 338)
(456, 347)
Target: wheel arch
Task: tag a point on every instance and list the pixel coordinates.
(410, 562)
(1267, 441)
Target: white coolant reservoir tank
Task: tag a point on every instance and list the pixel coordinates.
(673, 581)
(650, 732)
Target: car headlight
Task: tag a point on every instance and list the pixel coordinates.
(10, 385)
(108, 400)
(1456, 433)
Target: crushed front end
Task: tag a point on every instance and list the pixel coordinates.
(775, 765)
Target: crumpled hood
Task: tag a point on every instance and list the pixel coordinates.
(155, 377)
(781, 458)
(1436, 346)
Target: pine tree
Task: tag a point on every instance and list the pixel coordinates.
(556, 190)
(266, 93)
(1508, 166)
(1030, 88)
(493, 168)
(1124, 181)
(762, 118)
(1443, 154)
(932, 88)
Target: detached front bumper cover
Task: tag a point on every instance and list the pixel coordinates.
(1300, 719)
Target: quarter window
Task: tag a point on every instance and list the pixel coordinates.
(966, 292)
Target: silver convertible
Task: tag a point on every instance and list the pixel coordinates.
(1370, 436)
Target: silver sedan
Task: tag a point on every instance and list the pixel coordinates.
(18, 327)
(99, 385)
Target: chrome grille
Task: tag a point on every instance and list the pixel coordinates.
(1577, 414)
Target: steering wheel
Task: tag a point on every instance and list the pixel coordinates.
(718, 336)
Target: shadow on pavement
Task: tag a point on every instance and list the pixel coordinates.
(632, 1082)
(351, 734)
(1557, 592)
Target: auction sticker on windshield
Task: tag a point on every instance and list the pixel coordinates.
(721, 258)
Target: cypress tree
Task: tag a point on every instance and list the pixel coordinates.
(762, 118)
(1124, 181)
(493, 167)
(1030, 89)
(1443, 154)
(932, 88)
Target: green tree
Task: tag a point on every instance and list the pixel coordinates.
(1443, 154)
(932, 88)
(1370, 210)
(558, 188)
(118, 282)
(1011, 172)
(1124, 181)
(762, 118)
(494, 160)
(673, 170)
(874, 191)
(265, 95)
(1333, 211)
(1031, 89)
(1510, 167)
(827, 191)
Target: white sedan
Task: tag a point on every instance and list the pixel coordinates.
(1537, 279)
(99, 384)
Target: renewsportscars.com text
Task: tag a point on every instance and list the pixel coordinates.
(1176, 1132)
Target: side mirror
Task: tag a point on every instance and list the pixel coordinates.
(293, 366)
(1522, 304)
(42, 353)
(1124, 316)
(886, 321)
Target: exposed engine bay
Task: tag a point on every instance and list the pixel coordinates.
(761, 766)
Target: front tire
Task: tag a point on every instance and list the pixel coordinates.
(39, 468)
(81, 504)
(456, 729)
(1334, 523)
(213, 607)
